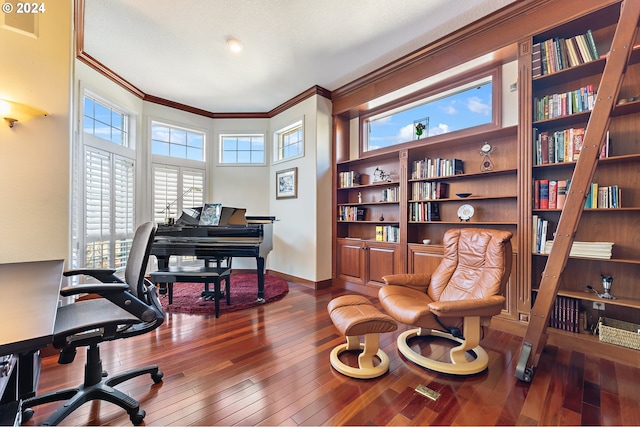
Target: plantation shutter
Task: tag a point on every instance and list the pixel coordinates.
(109, 209)
(124, 217)
(166, 182)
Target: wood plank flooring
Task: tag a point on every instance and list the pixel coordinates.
(270, 366)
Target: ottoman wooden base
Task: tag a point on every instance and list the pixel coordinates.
(355, 315)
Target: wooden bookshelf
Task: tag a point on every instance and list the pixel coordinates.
(621, 167)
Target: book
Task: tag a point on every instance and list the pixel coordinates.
(534, 234)
(553, 194)
(379, 233)
(544, 146)
(211, 214)
(544, 194)
(578, 140)
(591, 44)
(562, 194)
(536, 61)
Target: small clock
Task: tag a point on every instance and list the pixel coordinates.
(485, 151)
(465, 212)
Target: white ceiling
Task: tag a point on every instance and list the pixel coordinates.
(176, 49)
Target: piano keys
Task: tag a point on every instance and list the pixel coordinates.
(213, 243)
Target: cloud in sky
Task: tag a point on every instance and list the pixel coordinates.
(449, 109)
(475, 105)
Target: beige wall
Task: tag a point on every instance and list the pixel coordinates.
(34, 155)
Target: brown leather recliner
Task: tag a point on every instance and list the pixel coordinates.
(461, 295)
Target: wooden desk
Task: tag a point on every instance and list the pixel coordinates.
(29, 293)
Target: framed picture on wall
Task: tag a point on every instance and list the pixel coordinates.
(287, 184)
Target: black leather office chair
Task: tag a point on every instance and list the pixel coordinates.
(127, 308)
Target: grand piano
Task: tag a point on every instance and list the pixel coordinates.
(212, 243)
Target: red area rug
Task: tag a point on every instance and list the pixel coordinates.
(244, 293)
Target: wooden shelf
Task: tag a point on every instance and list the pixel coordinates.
(465, 175)
(372, 185)
(465, 222)
(590, 296)
(370, 222)
(465, 199)
(368, 204)
(614, 260)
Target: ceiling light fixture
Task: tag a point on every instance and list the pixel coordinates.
(14, 111)
(234, 44)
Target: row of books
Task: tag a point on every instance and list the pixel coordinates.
(348, 179)
(566, 314)
(562, 146)
(387, 233)
(600, 250)
(433, 168)
(550, 194)
(559, 53)
(389, 194)
(424, 211)
(429, 190)
(564, 104)
(603, 197)
(351, 213)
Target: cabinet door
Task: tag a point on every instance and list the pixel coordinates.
(424, 259)
(382, 260)
(351, 261)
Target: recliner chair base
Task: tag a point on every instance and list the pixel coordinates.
(459, 364)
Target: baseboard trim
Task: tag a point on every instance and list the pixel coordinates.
(323, 284)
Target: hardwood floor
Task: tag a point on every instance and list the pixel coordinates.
(270, 366)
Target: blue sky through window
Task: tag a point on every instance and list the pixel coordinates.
(460, 110)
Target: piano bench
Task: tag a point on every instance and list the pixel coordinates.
(204, 275)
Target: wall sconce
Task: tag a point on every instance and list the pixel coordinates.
(15, 112)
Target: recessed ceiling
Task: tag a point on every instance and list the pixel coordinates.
(177, 50)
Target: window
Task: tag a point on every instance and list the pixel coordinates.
(457, 108)
(104, 170)
(177, 142)
(242, 149)
(104, 122)
(176, 188)
(289, 142)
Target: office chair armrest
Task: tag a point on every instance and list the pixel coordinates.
(103, 289)
(419, 282)
(105, 275)
(484, 307)
(117, 293)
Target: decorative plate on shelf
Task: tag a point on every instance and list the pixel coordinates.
(465, 212)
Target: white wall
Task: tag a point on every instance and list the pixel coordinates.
(34, 155)
(302, 234)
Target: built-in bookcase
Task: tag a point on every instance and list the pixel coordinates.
(617, 170)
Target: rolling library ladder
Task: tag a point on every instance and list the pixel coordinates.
(616, 63)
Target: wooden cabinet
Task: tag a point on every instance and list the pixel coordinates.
(618, 168)
(364, 262)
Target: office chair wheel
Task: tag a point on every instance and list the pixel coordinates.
(138, 417)
(157, 377)
(27, 414)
